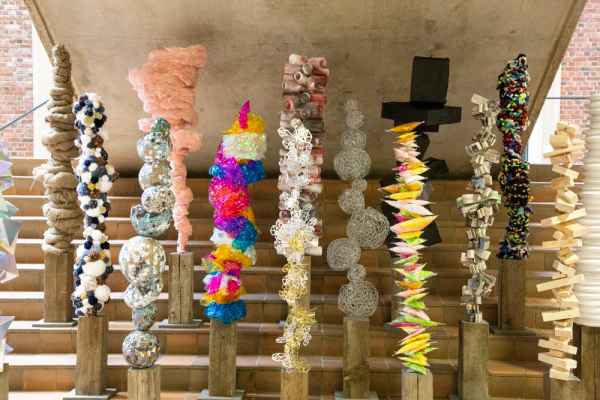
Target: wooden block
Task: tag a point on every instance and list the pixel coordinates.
(563, 252)
(560, 142)
(564, 159)
(564, 217)
(566, 363)
(566, 332)
(563, 206)
(58, 286)
(560, 282)
(561, 314)
(555, 346)
(568, 195)
(559, 235)
(222, 348)
(553, 244)
(562, 182)
(565, 322)
(473, 356)
(568, 128)
(569, 301)
(557, 354)
(416, 386)
(4, 380)
(294, 385)
(92, 355)
(568, 257)
(558, 275)
(565, 171)
(561, 152)
(143, 384)
(571, 228)
(356, 358)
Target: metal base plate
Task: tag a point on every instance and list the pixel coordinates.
(495, 329)
(238, 395)
(194, 325)
(372, 396)
(42, 324)
(108, 393)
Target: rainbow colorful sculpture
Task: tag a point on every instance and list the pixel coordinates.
(236, 166)
(413, 217)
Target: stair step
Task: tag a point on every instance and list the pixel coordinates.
(271, 308)
(257, 338)
(259, 279)
(261, 374)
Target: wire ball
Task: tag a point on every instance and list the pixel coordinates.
(359, 184)
(343, 254)
(351, 201)
(358, 299)
(355, 119)
(350, 105)
(353, 138)
(368, 228)
(352, 164)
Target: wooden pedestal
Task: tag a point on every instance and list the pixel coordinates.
(143, 384)
(356, 358)
(222, 349)
(511, 298)
(556, 389)
(416, 386)
(294, 385)
(58, 286)
(473, 360)
(92, 358)
(4, 382)
(181, 292)
(587, 341)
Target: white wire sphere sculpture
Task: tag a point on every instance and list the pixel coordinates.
(358, 299)
(353, 138)
(352, 164)
(343, 254)
(368, 228)
(351, 201)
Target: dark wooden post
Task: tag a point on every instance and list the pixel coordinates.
(58, 286)
(511, 298)
(181, 293)
(587, 341)
(557, 389)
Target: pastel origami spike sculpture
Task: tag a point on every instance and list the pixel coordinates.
(413, 217)
(9, 229)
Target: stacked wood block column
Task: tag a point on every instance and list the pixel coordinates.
(567, 235)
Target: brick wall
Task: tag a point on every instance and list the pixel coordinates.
(16, 76)
(581, 65)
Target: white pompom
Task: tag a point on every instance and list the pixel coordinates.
(102, 293)
(94, 268)
(86, 177)
(85, 200)
(93, 167)
(97, 235)
(105, 186)
(85, 140)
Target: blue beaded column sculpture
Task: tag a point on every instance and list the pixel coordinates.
(142, 260)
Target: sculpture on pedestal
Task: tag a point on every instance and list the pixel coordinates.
(142, 258)
(96, 176)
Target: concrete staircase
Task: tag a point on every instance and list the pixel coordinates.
(44, 359)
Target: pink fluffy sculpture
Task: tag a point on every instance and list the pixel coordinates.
(166, 86)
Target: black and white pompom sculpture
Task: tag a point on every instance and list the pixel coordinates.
(96, 177)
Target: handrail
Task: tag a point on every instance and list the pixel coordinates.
(23, 116)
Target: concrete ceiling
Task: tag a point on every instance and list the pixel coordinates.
(369, 46)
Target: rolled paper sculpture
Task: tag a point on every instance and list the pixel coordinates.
(514, 176)
(62, 211)
(96, 177)
(142, 258)
(565, 141)
(304, 82)
(413, 216)
(293, 238)
(9, 229)
(166, 86)
(588, 292)
(479, 207)
(366, 228)
(236, 166)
